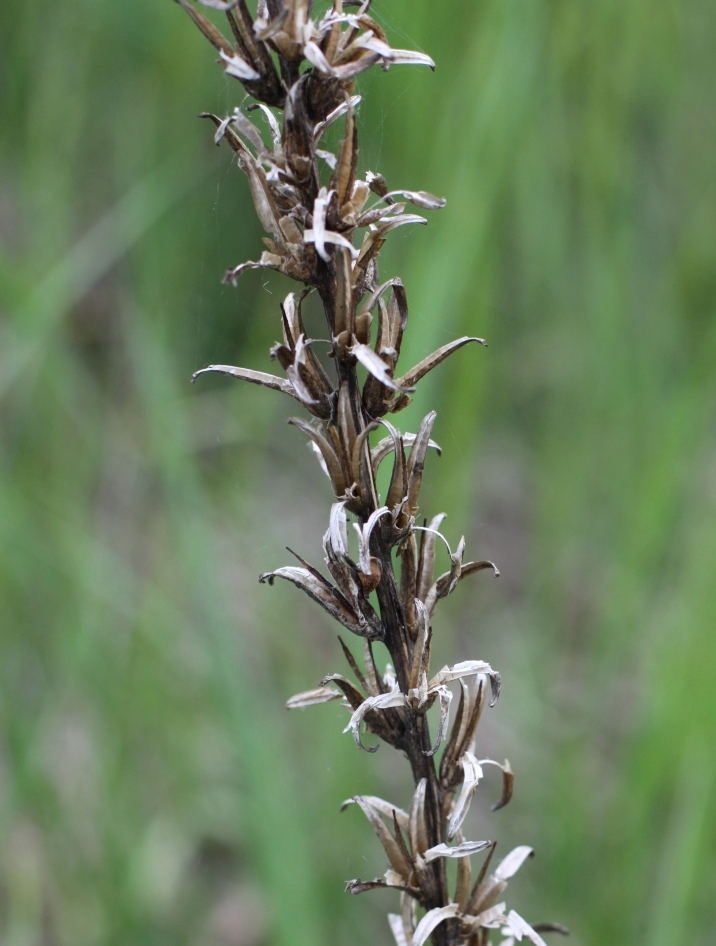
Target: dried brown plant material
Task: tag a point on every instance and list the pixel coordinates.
(326, 221)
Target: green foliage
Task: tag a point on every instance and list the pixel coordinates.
(149, 777)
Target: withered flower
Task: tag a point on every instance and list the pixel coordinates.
(326, 222)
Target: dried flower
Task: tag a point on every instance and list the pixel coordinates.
(325, 227)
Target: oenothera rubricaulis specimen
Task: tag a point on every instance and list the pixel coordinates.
(326, 226)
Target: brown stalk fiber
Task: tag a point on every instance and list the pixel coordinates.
(325, 227)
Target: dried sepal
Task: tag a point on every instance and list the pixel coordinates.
(360, 677)
(487, 891)
(298, 139)
(398, 488)
(508, 782)
(480, 878)
(358, 886)
(311, 386)
(426, 564)
(353, 696)
(409, 57)
(328, 453)
(215, 36)
(408, 575)
(362, 468)
(453, 752)
(268, 88)
(417, 830)
(338, 112)
(330, 599)
(421, 651)
(462, 882)
(464, 732)
(419, 198)
(411, 378)
(345, 173)
(324, 694)
(550, 928)
(254, 377)
(344, 320)
(398, 833)
(384, 807)
(393, 850)
(346, 427)
(416, 461)
(369, 566)
(376, 365)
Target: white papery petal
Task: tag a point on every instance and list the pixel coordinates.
(330, 236)
(473, 774)
(510, 864)
(380, 702)
(238, 67)
(433, 919)
(523, 930)
(398, 931)
(460, 850)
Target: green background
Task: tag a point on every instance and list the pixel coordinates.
(152, 787)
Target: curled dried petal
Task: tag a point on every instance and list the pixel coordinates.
(473, 774)
(510, 864)
(235, 65)
(445, 700)
(522, 929)
(460, 850)
(333, 116)
(313, 697)
(337, 239)
(375, 365)
(383, 701)
(419, 198)
(433, 919)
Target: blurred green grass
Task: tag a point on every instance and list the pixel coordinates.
(152, 789)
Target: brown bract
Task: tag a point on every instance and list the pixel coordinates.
(325, 221)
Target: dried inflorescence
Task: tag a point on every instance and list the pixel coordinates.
(326, 227)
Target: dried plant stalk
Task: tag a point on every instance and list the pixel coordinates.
(325, 229)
